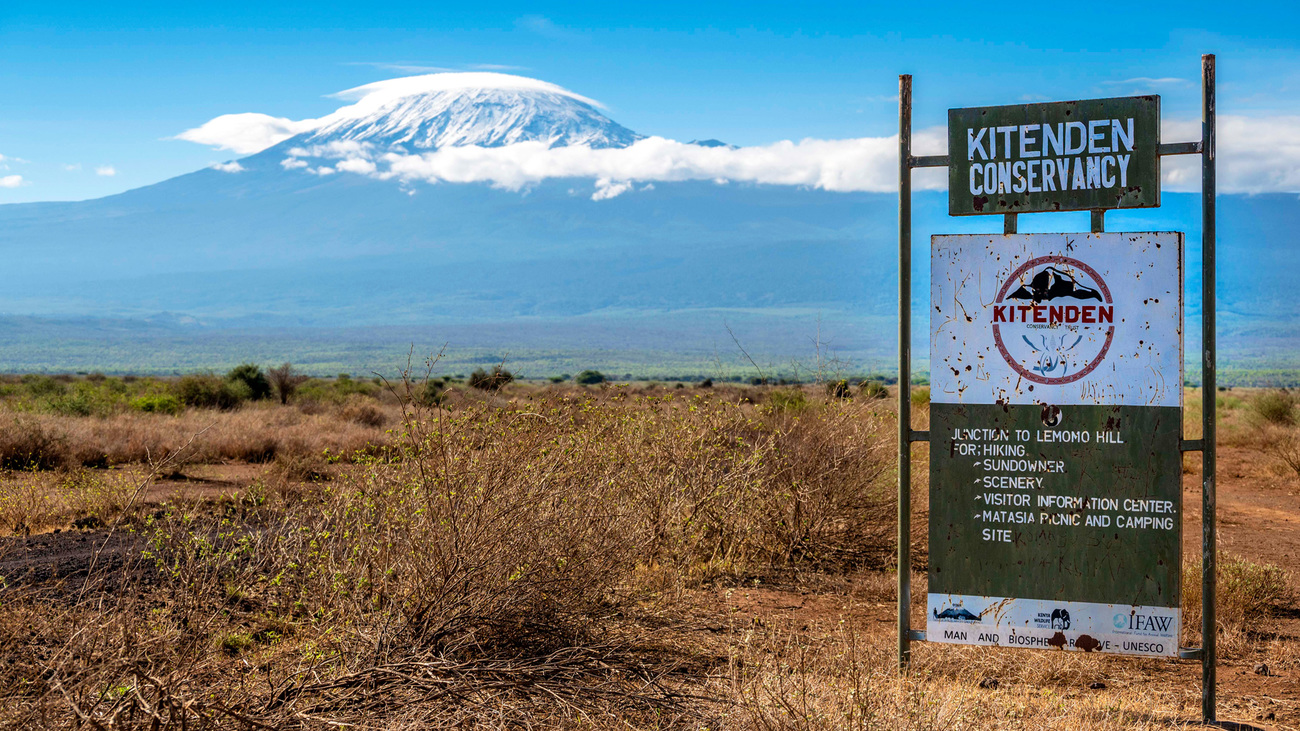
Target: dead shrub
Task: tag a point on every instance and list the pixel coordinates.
(1283, 442)
(295, 466)
(26, 443)
(1248, 595)
(362, 410)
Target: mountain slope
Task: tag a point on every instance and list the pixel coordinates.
(285, 242)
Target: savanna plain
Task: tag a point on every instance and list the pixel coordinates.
(260, 550)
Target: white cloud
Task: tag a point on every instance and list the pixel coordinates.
(246, 133)
(370, 97)
(106, 171)
(1255, 155)
(606, 189)
(228, 167)
(74, 167)
(865, 164)
(11, 181)
(357, 165)
(290, 163)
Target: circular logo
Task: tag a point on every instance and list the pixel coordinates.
(1054, 320)
(1121, 621)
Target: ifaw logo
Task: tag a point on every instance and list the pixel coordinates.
(1144, 622)
(1054, 320)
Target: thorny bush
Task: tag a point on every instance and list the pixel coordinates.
(483, 545)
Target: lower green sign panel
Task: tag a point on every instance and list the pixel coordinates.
(1055, 526)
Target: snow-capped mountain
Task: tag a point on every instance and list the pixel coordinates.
(478, 198)
(458, 109)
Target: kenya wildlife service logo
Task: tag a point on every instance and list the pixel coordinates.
(1054, 320)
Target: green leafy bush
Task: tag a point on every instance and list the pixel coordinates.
(252, 378)
(43, 387)
(486, 381)
(336, 390)
(430, 393)
(787, 400)
(85, 399)
(158, 403)
(1275, 407)
(208, 391)
(839, 389)
(589, 378)
(873, 390)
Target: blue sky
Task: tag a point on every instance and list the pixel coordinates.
(88, 87)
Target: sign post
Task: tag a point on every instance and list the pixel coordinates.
(1056, 397)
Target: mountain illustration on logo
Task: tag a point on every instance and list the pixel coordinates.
(1051, 283)
(955, 613)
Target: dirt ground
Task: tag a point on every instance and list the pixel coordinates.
(1259, 519)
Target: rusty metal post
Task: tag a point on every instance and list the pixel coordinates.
(1209, 546)
(1099, 221)
(904, 370)
(1008, 223)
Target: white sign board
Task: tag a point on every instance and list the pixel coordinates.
(1055, 416)
(1057, 319)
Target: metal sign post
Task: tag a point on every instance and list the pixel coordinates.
(1056, 432)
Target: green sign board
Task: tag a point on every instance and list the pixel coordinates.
(1061, 156)
(1055, 417)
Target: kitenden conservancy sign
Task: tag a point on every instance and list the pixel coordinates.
(1063, 156)
(1055, 473)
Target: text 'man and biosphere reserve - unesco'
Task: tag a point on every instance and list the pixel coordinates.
(1056, 396)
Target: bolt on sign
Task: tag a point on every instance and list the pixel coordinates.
(1063, 156)
(1055, 417)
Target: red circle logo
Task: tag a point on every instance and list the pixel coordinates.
(1054, 320)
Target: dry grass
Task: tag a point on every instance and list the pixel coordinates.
(547, 557)
(251, 434)
(1249, 594)
(34, 501)
(843, 678)
(484, 546)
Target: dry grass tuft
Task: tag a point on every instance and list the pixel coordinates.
(1249, 594)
